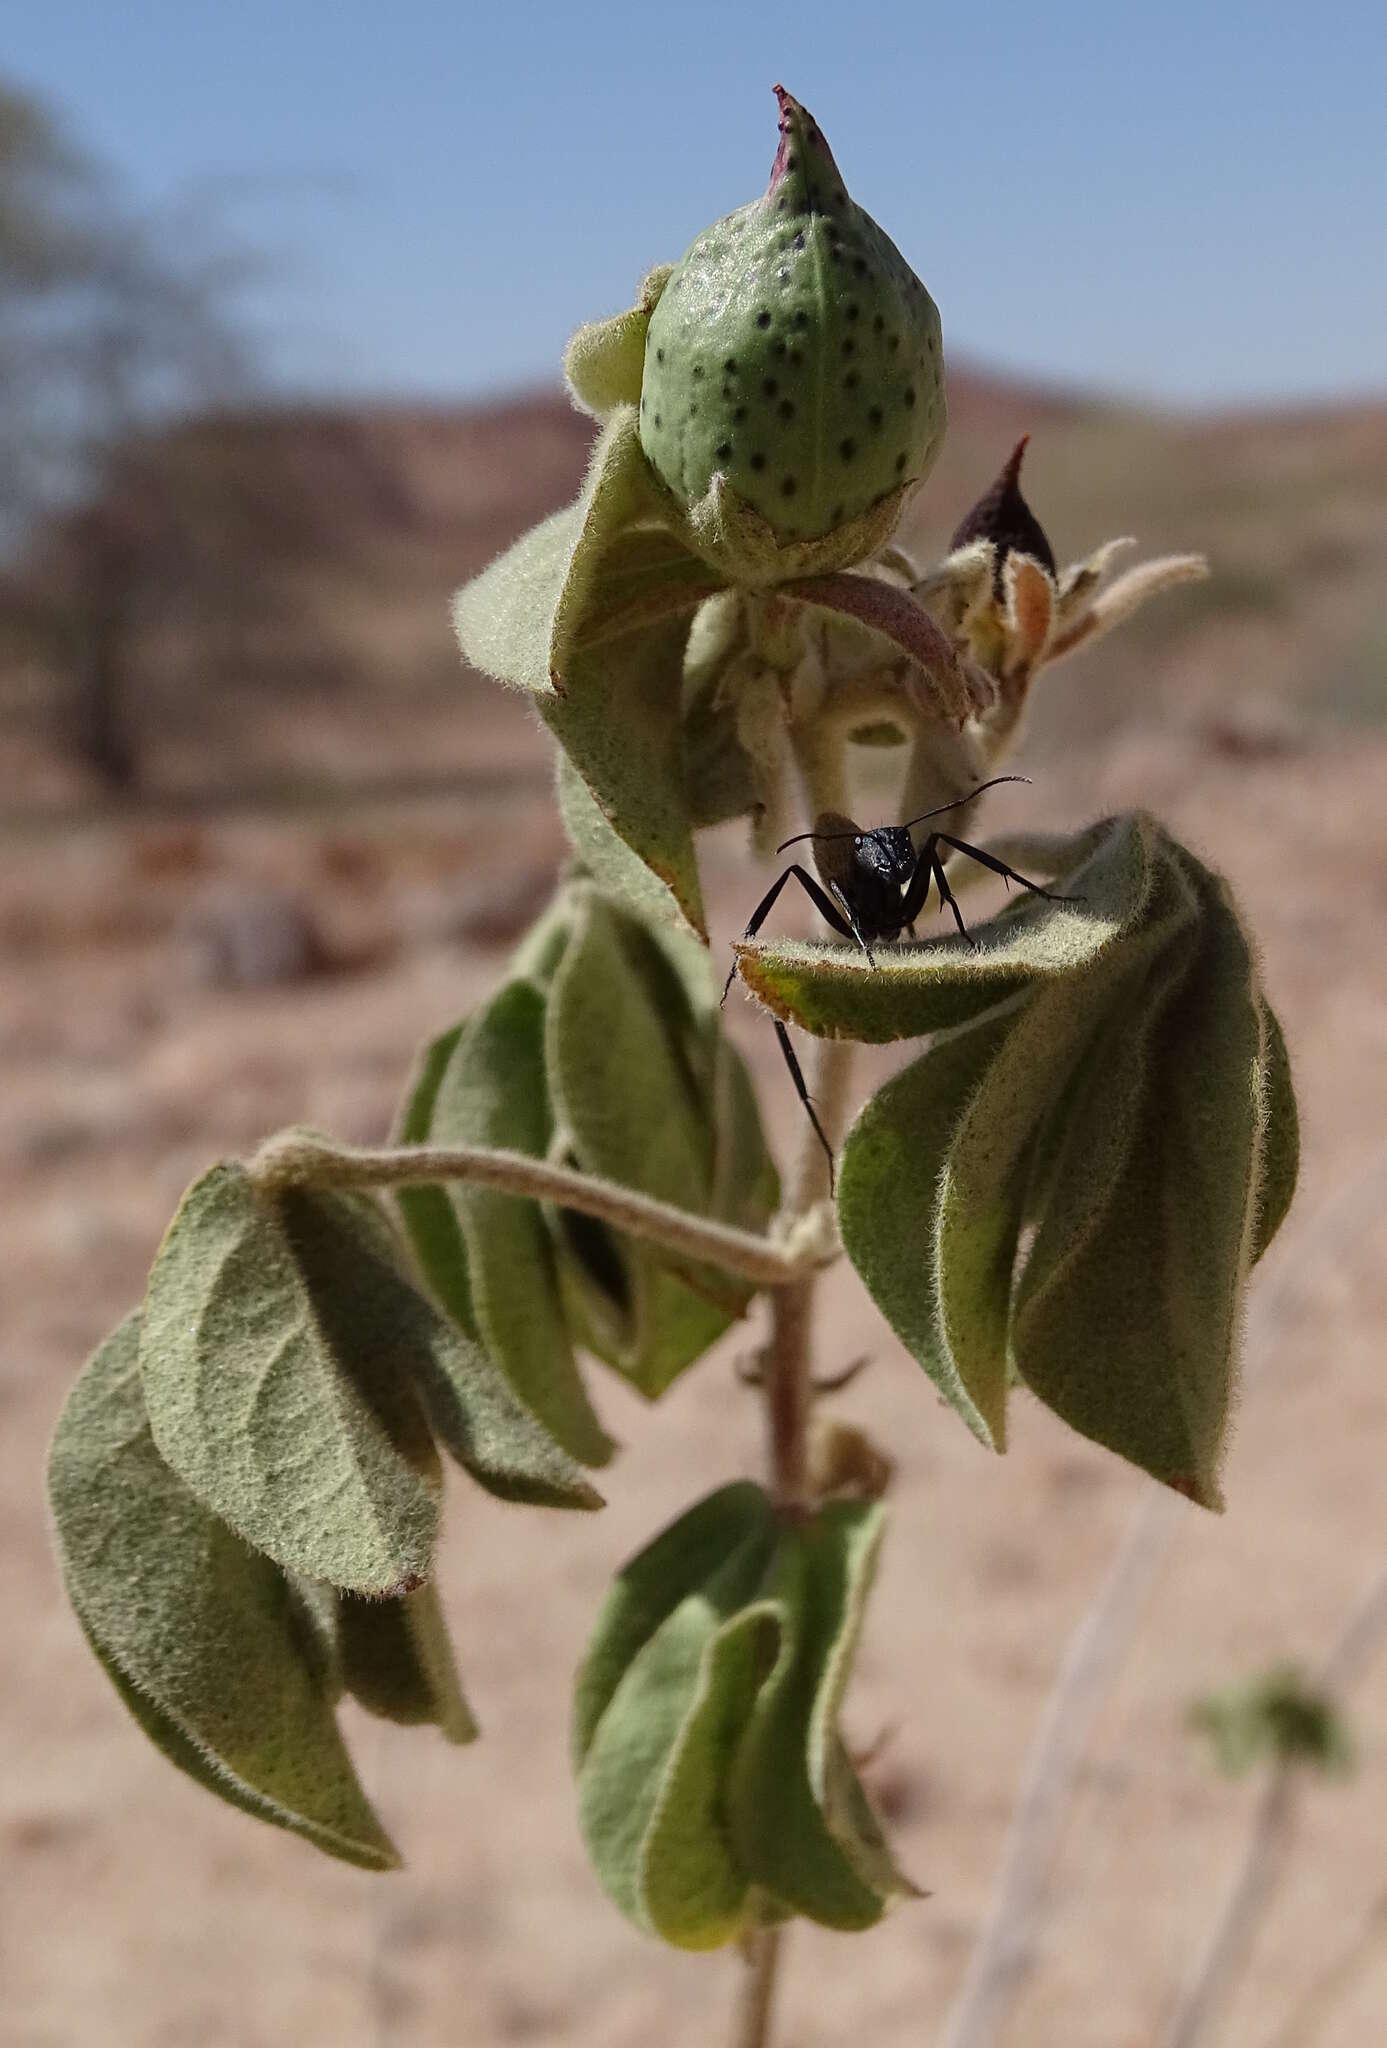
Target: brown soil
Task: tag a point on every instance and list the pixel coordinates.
(138, 1913)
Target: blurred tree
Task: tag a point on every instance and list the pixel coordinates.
(148, 520)
(108, 329)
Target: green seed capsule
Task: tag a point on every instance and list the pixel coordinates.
(795, 354)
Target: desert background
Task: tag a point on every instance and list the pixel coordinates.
(299, 840)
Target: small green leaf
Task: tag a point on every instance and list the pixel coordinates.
(723, 778)
(204, 1640)
(797, 1815)
(693, 1890)
(612, 864)
(1130, 1332)
(604, 360)
(646, 576)
(396, 1659)
(914, 990)
(1129, 1105)
(278, 1354)
(430, 1220)
(661, 1696)
(619, 724)
(494, 1091)
(714, 1790)
(889, 1187)
(622, 1086)
(519, 619)
(990, 1167)
(634, 1067)
(483, 1423)
(1280, 1134)
(654, 1582)
(746, 1186)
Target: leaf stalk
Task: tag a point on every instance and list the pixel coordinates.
(295, 1159)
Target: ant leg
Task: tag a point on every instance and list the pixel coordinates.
(946, 896)
(856, 930)
(999, 867)
(820, 901)
(797, 1076)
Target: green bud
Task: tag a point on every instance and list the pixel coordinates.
(793, 360)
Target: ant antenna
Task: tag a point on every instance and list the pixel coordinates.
(936, 813)
(940, 809)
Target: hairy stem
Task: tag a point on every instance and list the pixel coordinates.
(763, 1952)
(296, 1160)
(789, 1361)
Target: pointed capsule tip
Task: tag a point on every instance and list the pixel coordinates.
(798, 127)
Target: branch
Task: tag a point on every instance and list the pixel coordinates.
(294, 1159)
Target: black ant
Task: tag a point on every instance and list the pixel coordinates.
(874, 885)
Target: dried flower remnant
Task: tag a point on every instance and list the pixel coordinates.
(1007, 605)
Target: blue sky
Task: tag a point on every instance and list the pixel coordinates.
(1186, 202)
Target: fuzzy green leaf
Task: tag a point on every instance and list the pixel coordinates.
(635, 1071)
(662, 1697)
(477, 1417)
(889, 1187)
(723, 778)
(519, 619)
(203, 1639)
(604, 360)
(991, 1161)
(591, 610)
(622, 1084)
(1134, 1341)
(693, 1891)
(914, 990)
(278, 1352)
(430, 1220)
(797, 1816)
(613, 865)
(396, 1659)
(714, 1788)
(1128, 1107)
(494, 1091)
(653, 1583)
(746, 1186)
(645, 576)
(1132, 1336)
(1280, 1128)
(619, 724)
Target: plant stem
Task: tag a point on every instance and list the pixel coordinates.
(763, 1951)
(789, 1361)
(294, 1159)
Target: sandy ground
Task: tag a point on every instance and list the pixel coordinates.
(137, 1913)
